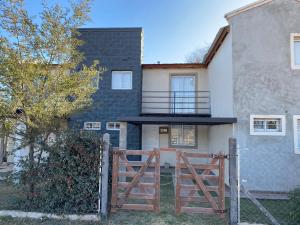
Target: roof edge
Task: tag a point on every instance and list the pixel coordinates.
(174, 66)
(111, 29)
(246, 8)
(218, 41)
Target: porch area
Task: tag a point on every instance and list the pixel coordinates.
(205, 135)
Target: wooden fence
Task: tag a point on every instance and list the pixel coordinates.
(135, 185)
(200, 187)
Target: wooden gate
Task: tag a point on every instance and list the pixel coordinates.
(135, 185)
(200, 188)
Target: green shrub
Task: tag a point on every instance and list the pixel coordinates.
(66, 180)
(295, 206)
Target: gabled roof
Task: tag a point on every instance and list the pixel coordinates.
(246, 8)
(218, 41)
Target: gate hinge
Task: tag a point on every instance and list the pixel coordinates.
(118, 152)
(220, 211)
(116, 206)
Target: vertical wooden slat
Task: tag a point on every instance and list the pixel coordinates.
(178, 182)
(115, 175)
(157, 181)
(221, 183)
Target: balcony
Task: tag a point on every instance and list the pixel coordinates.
(176, 103)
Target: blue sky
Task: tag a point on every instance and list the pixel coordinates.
(172, 28)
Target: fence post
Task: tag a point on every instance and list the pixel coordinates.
(105, 174)
(233, 181)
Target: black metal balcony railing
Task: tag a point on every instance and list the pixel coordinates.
(176, 102)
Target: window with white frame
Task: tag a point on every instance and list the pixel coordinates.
(183, 135)
(112, 126)
(92, 126)
(267, 125)
(121, 80)
(295, 50)
(297, 133)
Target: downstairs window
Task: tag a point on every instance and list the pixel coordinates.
(183, 135)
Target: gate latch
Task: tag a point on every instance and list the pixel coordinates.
(219, 156)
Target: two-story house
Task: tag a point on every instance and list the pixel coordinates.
(247, 87)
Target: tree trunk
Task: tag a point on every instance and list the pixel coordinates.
(1, 150)
(31, 169)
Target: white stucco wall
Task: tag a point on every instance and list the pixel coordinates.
(152, 139)
(159, 80)
(218, 139)
(220, 80)
(265, 84)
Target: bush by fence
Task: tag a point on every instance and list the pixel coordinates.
(66, 178)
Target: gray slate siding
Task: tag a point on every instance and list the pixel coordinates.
(116, 49)
(265, 84)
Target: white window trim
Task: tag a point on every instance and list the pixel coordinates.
(107, 128)
(296, 140)
(86, 128)
(293, 36)
(121, 71)
(263, 133)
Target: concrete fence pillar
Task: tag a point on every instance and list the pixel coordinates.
(103, 179)
(233, 182)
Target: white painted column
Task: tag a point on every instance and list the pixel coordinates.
(123, 145)
(123, 136)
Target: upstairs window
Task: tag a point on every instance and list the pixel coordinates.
(92, 126)
(297, 133)
(121, 80)
(183, 135)
(295, 51)
(267, 125)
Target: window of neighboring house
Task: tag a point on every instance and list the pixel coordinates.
(121, 80)
(295, 51)
(183, 135)
(112, 126)
(297, 133)
(92, 126)
(267, 125)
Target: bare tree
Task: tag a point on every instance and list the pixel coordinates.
(197, 55)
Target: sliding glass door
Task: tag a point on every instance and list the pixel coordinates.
(183, 94)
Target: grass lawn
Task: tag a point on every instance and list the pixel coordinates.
(167, 215)
(280, 210)
(9, 197)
